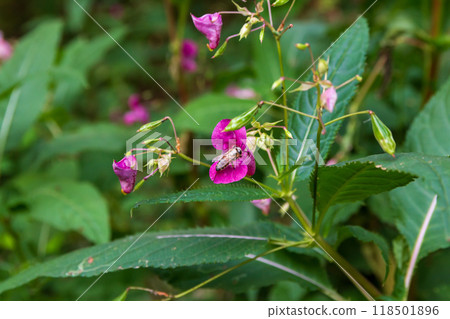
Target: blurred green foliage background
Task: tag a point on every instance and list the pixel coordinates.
(73, 82)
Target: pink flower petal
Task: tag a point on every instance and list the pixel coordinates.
(329, 98)
(228, 175)
(263, 204)
(188, 65)
(226, 140)
(6, 49)
(126, 171)
(189, 49)
(134, 101)
(211, 26)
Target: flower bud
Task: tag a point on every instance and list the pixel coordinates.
(358, 78)
(288, 134)
(241, 9)
(150, 141)
(261, 34)
(220, 50)
(302, 46)
(151, 126)
(278, 3)
(247, 28)
(305, 86)
(241, 120)
(277, 83)
(265, 142)
(269, 125)
(383, 135)
(164, 162)
(322, 67)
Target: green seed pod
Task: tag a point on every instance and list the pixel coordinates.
(383, 135)
(278, 3)
(151, 126)
(261, 35)
(302, 46)
(241, 120)
(220, 50)
(322, 67)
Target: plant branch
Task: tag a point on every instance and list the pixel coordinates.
(289, 109)
(348, 115)
(361, 283)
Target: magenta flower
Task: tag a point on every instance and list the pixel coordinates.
(236, 161)
(263, 204)
(240, 93)
(6, 49)
(126, 171)
(329, 98)
(138, 112)
(189, 52)
(211, 26)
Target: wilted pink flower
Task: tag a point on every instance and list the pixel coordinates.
(138, 112)
(6, 49)
(211, 26)
(263, 204)
(237, 92)
(237, 161)
(329, 98)
(126, 171)
(189, 52)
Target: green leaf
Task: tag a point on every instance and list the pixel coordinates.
(407, 206)
(29, 67)
(79, 57)
(347, 57)
(100, 137)
(430, 131)
(367, 237)
(70, 205)
(287, 291)
(157, 250)
(262, 272)
(217, 193)
(208, 110)
(355, 181)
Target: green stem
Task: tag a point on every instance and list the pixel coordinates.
(348, 115)
(300, 215)
(283, 93)
(289, 109)
(316, 163)
(360, 282)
